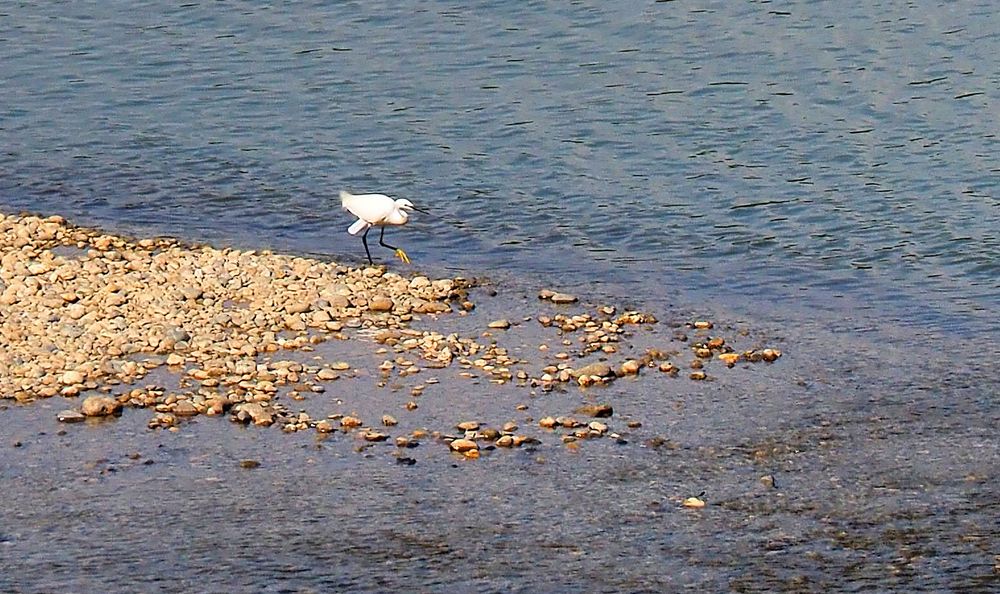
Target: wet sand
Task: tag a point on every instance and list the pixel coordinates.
(845, 463)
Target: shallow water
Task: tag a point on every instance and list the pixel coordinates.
(884, 468)
(824, 173)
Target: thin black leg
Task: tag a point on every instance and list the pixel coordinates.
(364, 240)
(381, 241)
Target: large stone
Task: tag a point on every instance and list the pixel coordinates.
(100, 406)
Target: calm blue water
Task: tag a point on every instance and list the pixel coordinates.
(827, 165)
(793, 155)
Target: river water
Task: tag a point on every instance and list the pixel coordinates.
(822, 171)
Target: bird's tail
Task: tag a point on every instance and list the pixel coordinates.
(344, 198)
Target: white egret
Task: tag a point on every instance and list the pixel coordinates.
(376, 210)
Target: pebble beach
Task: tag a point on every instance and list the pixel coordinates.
(108, 323)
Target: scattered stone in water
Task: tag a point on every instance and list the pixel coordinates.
(629, 367)
(254, 412)
(729, 359)
(249, 464)
(100, 406)
(698, 375)
(563, 298)
(467, 425)
(716, 343)
(324, 426)
(547, 422)
(598, 369)
(693, 502)
(389, 421)
(327, 374)
(350, 422)
(596, 410)
(668, 367)
(597, 427)
(499, 324)
(462, 445)
(185, 408)
(70, 416)
(489, 434)
(703, 325)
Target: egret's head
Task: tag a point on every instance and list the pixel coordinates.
(404, 204)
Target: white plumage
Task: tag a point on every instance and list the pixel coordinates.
(376, 210)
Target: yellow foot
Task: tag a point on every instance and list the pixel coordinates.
(402, 256)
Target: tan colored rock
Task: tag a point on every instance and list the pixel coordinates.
(596, 410)
(185, 408)
(598, 368)
(100, 406)
(547, 422)
(349, 422)
(380, 303)
(463, 445)
(629, 367)
(729, 359)
(257, 414)
(770, 355)
(597, 427)
(72, 377)
(298, 308)
(563, 298)
(327, 374)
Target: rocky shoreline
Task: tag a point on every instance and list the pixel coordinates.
(95, 318)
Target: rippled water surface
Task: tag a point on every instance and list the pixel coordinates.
(802, 152)
(818, 166)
